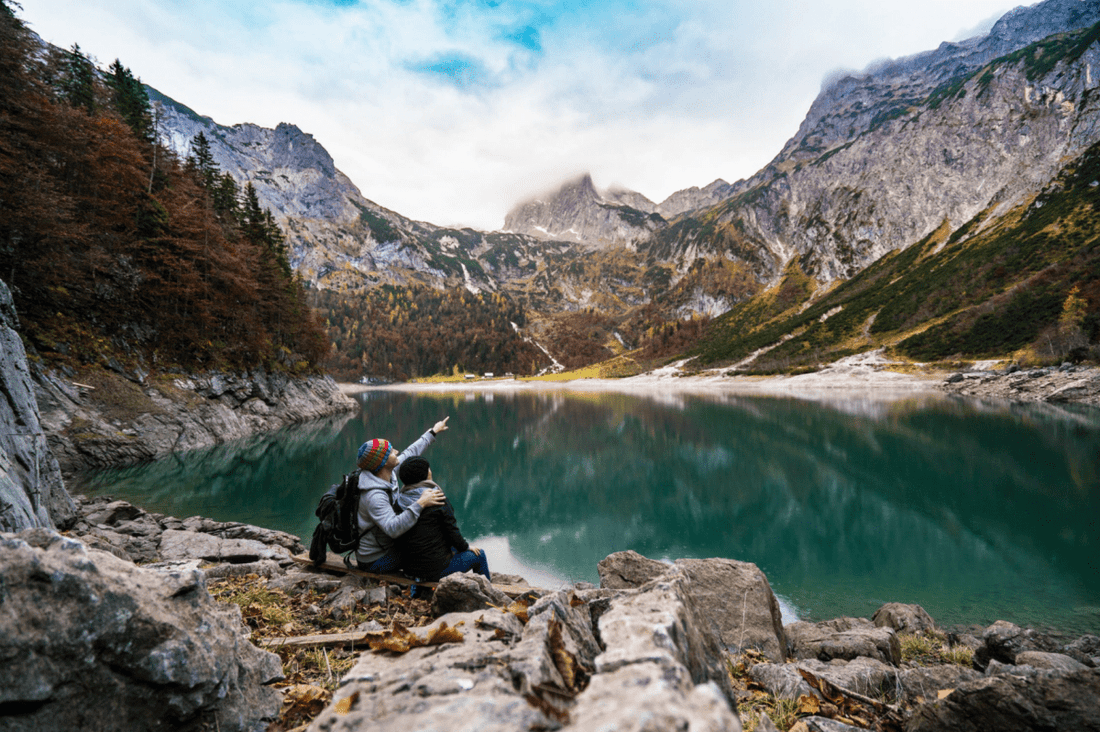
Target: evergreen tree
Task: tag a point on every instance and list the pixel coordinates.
(130, 100)
(203, 160)
(78, 80)
(225, 198)
(253, 223)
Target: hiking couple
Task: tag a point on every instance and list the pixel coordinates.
(411, 526)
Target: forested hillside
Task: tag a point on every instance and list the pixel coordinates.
(118, 252)
(408, 332)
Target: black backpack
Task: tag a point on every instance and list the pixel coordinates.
(338, 521)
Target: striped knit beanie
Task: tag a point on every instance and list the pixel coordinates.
(373, 454)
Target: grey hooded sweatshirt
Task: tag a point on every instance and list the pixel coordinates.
(377, 519)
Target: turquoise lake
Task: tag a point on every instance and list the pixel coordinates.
(976, 511)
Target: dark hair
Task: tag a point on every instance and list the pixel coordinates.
(413, 470)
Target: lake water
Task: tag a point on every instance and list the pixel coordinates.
(977, 512)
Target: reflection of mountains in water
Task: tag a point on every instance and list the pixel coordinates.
(244, 478)
(930, 498)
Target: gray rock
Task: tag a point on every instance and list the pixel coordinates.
(1003, 640)
(32, 493)
(737, 603)
(661, 625)
(735, 597)
(651, 666)
(454, 686)
(925, 682)
(1085, 649)
(628, 569)
(296, 581)
(266, 568)
(177, 545)
(1053, 661)
(823, 642)
(194, 412)
(104, 644)
(903, 618)
(342, 603)
(641, 698)
(1048, 701)
(112, 513)
(864, 676)
(781, 680)
(466, 592)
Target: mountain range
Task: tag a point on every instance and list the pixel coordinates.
(952, 140)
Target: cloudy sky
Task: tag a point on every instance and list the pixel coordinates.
(452, 111)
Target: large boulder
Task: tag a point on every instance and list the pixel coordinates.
(90, 641)
(1008, 703)
(1003, 641)
(589, 659)
(628, 570)
(464, 593)
(738, 604)
(924, 683)
(734, 597)
(864, 676)
(32, 493)
(845, 639)
(903, 618)
(182, 545)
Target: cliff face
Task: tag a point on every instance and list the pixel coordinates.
(883, 159)
(31, 490)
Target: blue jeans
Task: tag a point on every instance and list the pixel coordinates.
(386, 564)
(464, 561)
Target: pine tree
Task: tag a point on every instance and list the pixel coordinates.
(78, 80)
(226, 201)
(203, 160)
(130, 100)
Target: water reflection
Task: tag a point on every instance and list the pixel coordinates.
(975, 511)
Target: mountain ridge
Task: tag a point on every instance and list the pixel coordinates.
(883, 158)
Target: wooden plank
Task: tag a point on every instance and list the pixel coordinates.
(315, 641)
(334, 563)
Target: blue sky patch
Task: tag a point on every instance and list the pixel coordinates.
(457, 70)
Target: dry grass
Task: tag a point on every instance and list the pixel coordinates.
(312, 674)
(932, 648)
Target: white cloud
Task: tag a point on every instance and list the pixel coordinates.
(653, 95)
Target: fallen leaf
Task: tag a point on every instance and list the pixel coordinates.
(808, 704)
(519, 609)
(944, 693)
(344, 705)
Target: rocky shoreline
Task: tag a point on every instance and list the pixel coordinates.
(106, 419)
(1063, 384)
(135, 640)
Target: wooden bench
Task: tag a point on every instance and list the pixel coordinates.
(333, 563)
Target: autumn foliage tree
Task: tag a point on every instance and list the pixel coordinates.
(115, 249)
(406, 332)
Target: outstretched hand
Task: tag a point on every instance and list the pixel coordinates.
(431, 497)
(441, 425)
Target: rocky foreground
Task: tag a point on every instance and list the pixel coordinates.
(113, 626)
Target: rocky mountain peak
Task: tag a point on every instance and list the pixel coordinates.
(292, 148)
(577, 212)
(690, 199)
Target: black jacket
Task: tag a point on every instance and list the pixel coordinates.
(426, 547)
